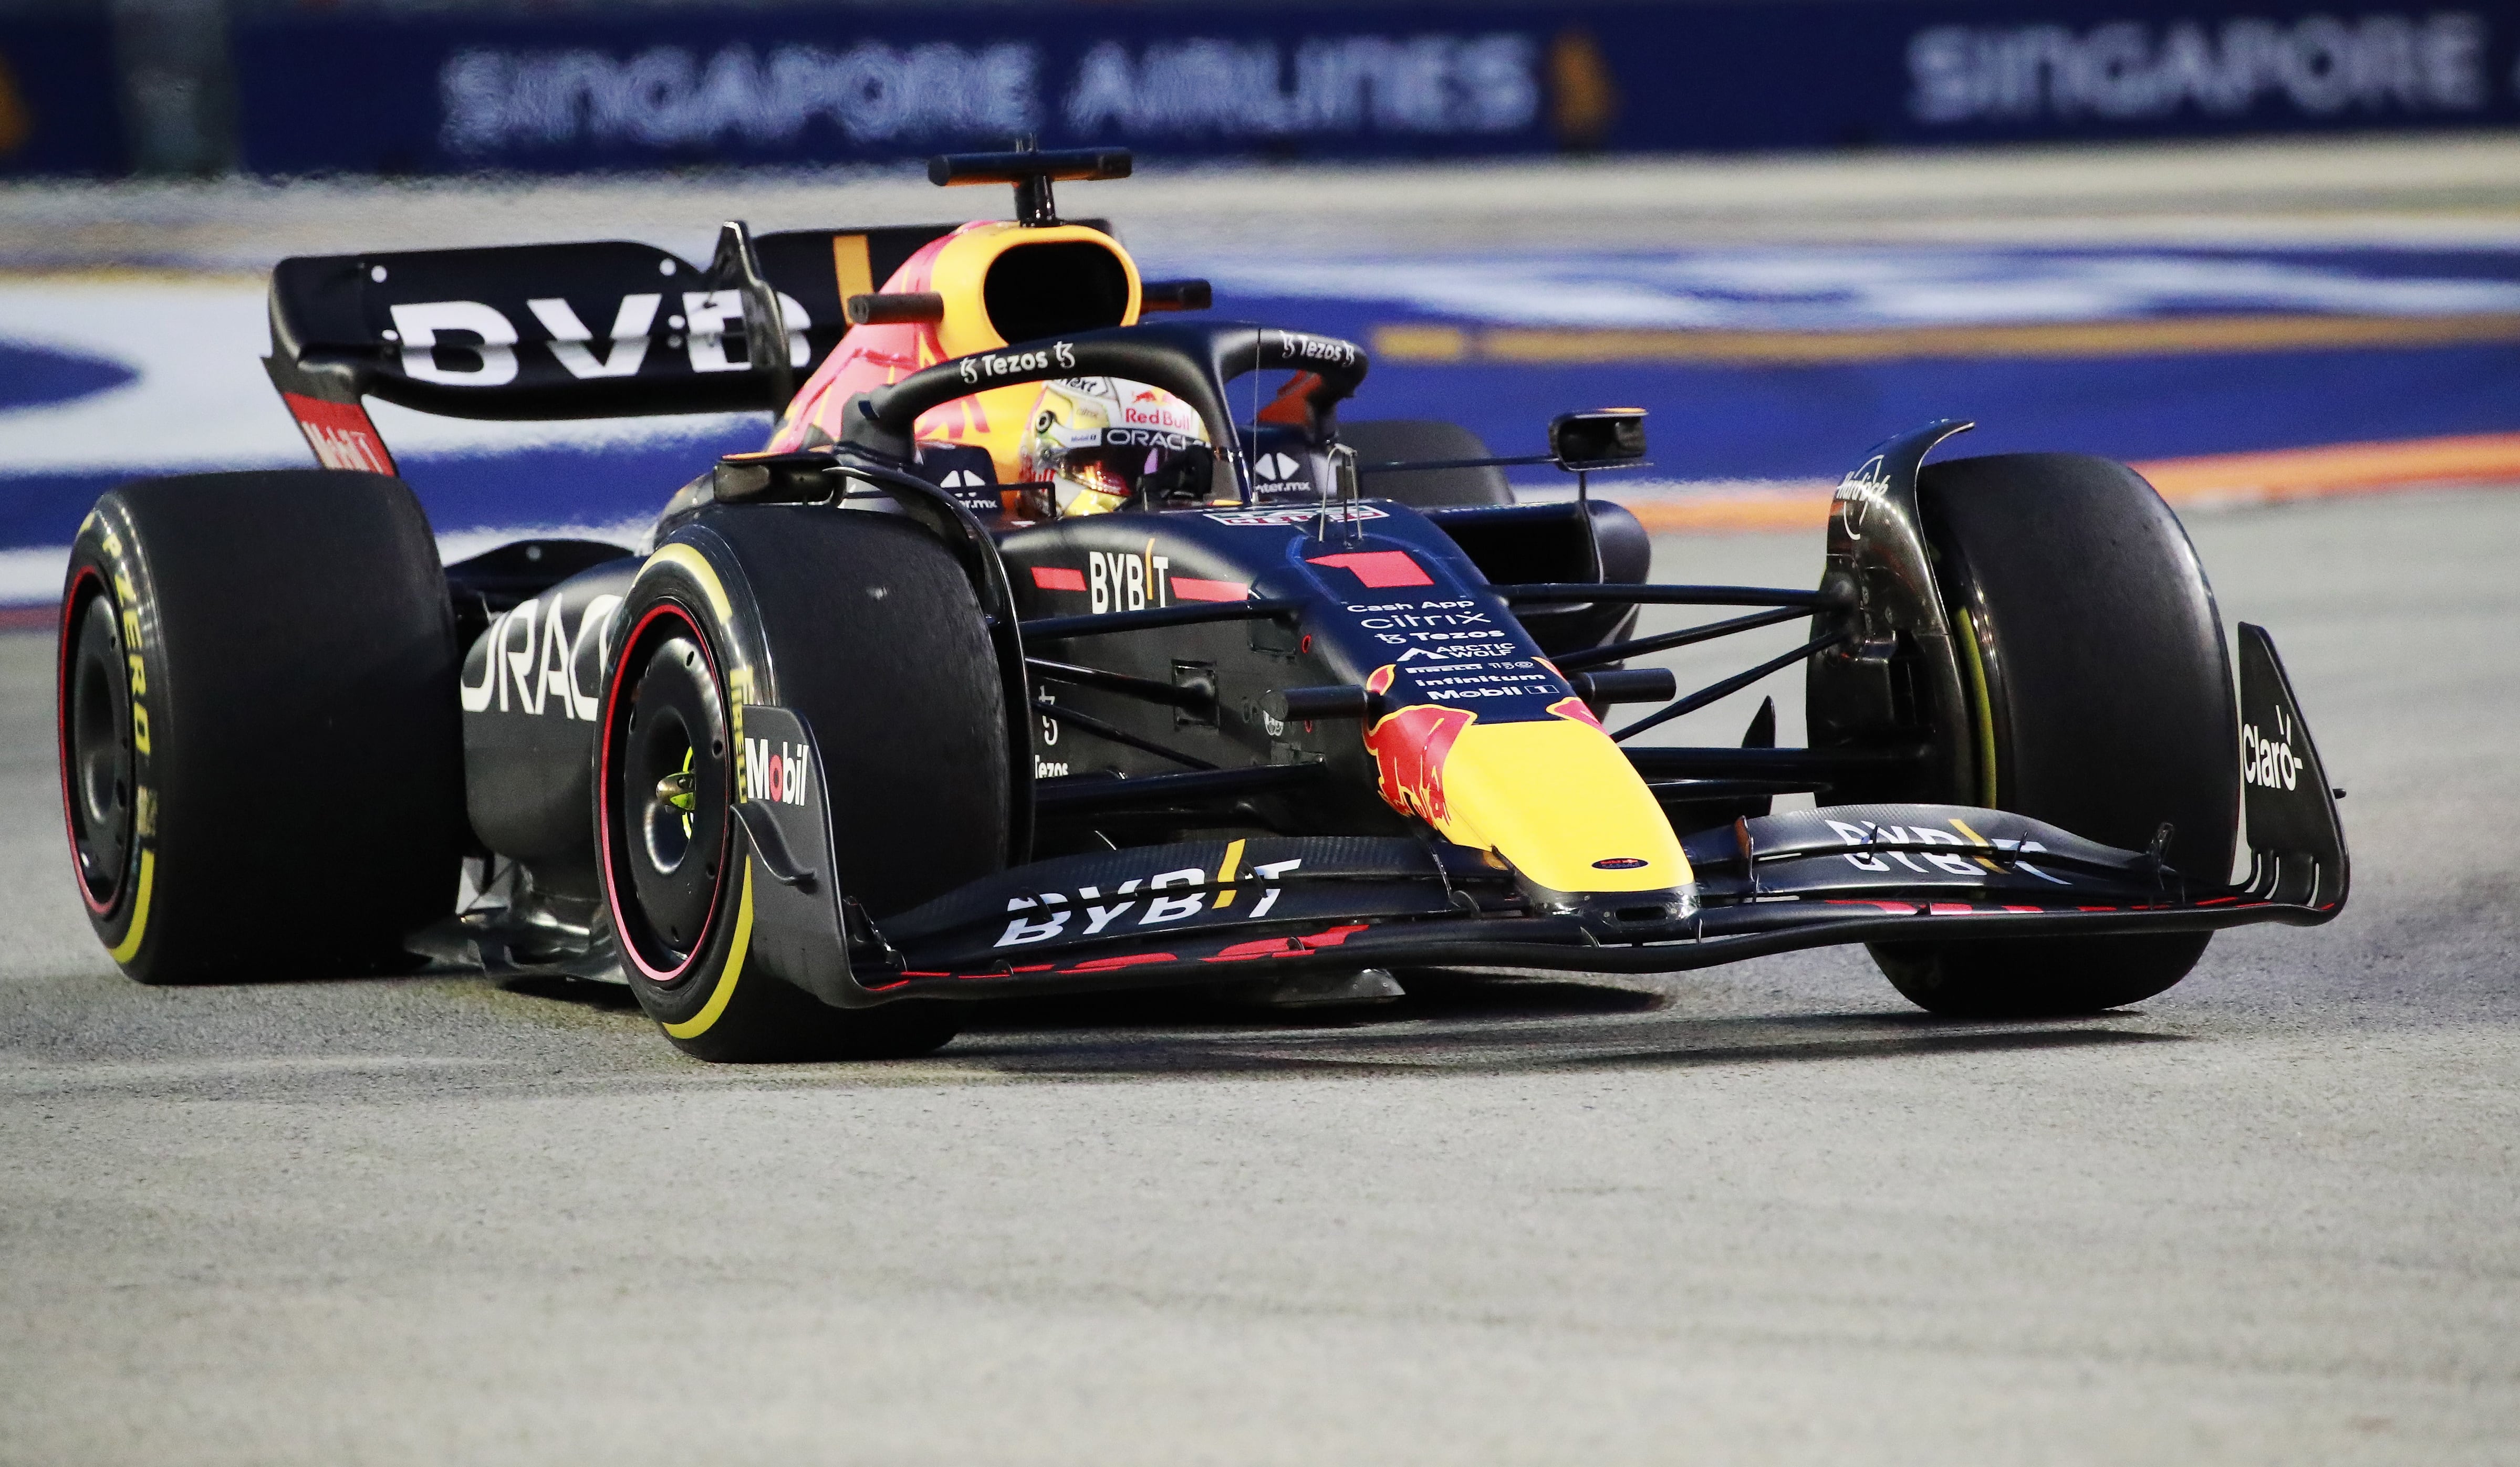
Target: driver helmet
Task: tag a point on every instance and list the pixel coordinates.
(1095, 443)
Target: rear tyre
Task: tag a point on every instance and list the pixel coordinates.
(2099, 683)
(261, 763)
(865, 625)
(1391, 440)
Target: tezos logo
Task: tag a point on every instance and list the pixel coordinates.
(1304, 349)
(1008, 363)
(1619, 862)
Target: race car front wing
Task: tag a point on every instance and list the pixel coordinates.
(1204, 912)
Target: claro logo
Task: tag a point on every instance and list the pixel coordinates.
(2270, 763)
(471, 343)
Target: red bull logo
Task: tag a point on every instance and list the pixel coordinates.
(1574, 708)
(1408, 749)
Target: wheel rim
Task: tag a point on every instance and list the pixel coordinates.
(668, 801)
(97, 754)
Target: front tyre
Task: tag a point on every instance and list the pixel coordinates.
(2100, 701)
(862, 624)
(682, 892)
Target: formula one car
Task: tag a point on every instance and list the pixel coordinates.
(1019, 663)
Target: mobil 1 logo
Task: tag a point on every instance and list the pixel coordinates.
(776, 756)
(777, 772)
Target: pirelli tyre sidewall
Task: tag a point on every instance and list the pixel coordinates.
(109, 781)
(261, 772)
(683, 597)
(899, 685)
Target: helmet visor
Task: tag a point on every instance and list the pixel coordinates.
(1165, 466)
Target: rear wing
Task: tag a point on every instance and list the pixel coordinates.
(609, 329)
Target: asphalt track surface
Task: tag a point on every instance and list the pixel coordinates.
(1759, 1214)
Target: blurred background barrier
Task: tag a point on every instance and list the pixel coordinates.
(58, 95)
(410, 88)
(2265, 251)
(415, 93)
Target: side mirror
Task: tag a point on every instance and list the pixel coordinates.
(1597, 439)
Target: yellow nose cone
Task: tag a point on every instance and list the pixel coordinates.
(1554, 796)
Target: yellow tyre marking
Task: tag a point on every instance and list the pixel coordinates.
(698, 1023)
(1224, 873)
(1984, 710)
(739, 674)
(701, 571)
(129, 947)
